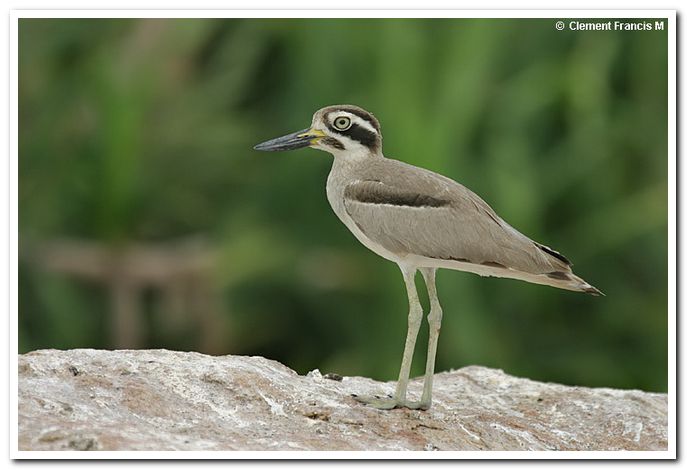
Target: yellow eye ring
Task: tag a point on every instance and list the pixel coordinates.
(342, 123)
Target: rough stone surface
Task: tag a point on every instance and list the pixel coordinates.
(164, 400)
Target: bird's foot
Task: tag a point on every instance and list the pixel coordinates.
(389, 403)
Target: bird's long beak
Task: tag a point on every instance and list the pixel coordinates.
(293, 141)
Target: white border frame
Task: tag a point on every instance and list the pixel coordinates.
(15, 15)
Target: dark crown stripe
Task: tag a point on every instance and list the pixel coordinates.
(365, 116)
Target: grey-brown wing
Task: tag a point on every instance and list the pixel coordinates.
(409, 210)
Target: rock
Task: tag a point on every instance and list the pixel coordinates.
(164, 400)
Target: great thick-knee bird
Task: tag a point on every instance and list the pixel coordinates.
(420, 220)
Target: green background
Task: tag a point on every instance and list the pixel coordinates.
(141, 131)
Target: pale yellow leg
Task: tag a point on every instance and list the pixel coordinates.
(414, 320)
(434, 320)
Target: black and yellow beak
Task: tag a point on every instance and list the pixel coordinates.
(293, 141)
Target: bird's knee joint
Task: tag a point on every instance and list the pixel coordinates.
(435, 316)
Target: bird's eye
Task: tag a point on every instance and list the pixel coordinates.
(342, 123)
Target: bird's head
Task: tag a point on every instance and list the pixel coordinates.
(340, 130)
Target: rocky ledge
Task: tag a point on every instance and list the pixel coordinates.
(164, 400)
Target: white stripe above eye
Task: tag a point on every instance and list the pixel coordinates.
(357, 120)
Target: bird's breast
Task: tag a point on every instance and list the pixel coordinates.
(336, 184)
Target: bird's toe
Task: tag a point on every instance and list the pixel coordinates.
(377, 402)
(389, 403)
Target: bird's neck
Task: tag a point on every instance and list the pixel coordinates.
(354, 156)
(349, 163)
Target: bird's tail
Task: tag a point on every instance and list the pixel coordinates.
(584, 286)
(572, 282)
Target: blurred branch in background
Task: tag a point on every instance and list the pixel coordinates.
(182, 272)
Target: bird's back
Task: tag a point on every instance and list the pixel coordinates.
(413, 211)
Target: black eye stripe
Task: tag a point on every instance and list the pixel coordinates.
(360, 134)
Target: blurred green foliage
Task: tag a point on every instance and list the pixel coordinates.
(141, 130)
